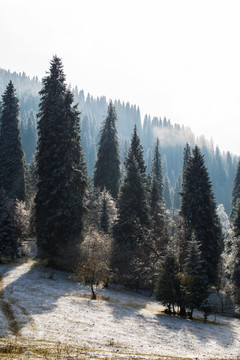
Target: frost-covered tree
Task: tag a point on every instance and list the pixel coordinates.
(177, 195)
(235, 269)
(107, 168)
(11, 152)
(225, 223)
(102, 209)
(199, 212)
(93, 267)
(61, 171)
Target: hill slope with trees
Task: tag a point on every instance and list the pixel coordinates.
(173, 137)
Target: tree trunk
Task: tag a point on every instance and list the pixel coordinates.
(93, 297)
(182, 311)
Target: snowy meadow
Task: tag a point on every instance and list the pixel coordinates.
(49, 315)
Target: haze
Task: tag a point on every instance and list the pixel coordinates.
(178, 59)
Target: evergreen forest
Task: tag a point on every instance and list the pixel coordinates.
(116, 197)
(173, 137)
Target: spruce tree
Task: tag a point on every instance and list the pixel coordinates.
(186, 155)
(11, 152)
(235, 193)
(157, 170)
(194, 280)
(159, 229)
(132, 204)
(236, 220)
(199, 212)
(107, 168)
(62, 181)
(184, 230)
(136, 151)
(167, 289)
(133, 219)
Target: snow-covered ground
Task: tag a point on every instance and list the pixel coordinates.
(47, 305)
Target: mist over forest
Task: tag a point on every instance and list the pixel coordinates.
(173, 137)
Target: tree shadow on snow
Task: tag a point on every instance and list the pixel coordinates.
(197, 330)
(28, 289)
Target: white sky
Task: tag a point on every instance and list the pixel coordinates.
(173, 58)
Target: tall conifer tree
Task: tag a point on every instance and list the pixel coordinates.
(11, 152)
(235, 253)
(133, 216)
(157, 205)
(186, 155)
(194, 280)
(157, 170)
(107, 169)
(199, 212)
(136, 151)
(184, 229)
(167, 287)
(62, 181)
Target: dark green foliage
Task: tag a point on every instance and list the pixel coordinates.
(183, 237)
(107, 168)
(8, 239)
(159, 224)
(62, 181)
(167, 289)
(93, 110)
(157, 170)
(235, 193)
(132, 204)
(186, 155)
(236, 219)
(11, 152)
(133, 219)
(136, 151)
(194, 282)
(199, 212)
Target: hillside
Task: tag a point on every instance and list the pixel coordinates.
(173, 137)
(45, 312)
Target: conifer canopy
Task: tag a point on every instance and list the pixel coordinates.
(62, 180)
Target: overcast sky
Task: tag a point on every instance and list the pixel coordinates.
(173, 58)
